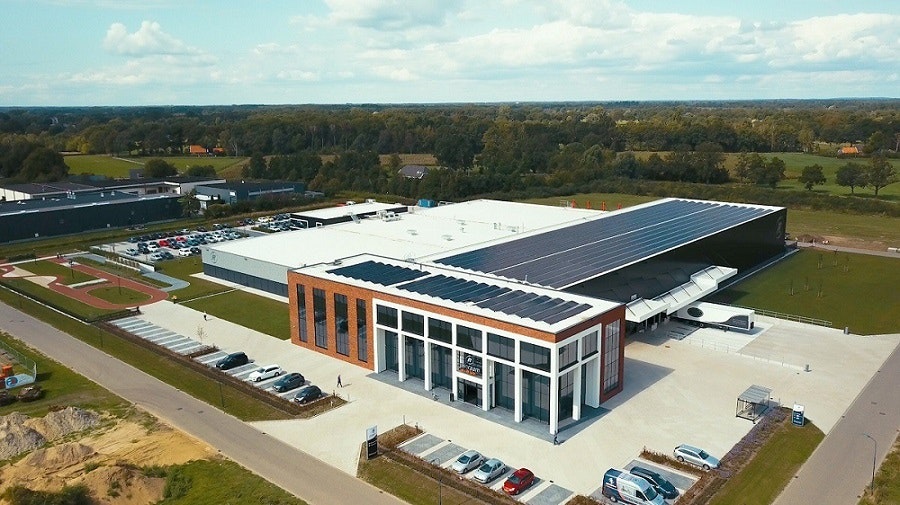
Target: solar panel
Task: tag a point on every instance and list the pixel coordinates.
(378, 273)
(496, 298)
(560, 258)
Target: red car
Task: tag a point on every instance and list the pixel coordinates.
(518, 481)
(163, 243)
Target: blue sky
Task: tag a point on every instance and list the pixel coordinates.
(158, 52)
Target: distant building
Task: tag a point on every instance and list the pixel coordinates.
(848, 151)
(413, 171)
(232, 192)
(197, 150)
(177, 185)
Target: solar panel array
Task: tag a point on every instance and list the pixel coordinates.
(378, 273)
(499, 299)
(567, 256)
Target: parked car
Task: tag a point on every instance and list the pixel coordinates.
(659, 483)
(621, 486)
(233, 360)
(519, 481)
(131, 251)
(184, 252)
(290, 381)
(695, 456)
(265, 372)
(195, 250)
(489, 470)
(468, 460)
(308, 394)
(156, 256)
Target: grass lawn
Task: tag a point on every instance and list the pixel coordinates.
(795, 162)
(119, 295)
(58, 300)
(252, 311)
(408, 484)
(121, 271)
(101, 164)
(64, 274)
(183, 269)
(213, 392)
(846, 296)
(887, 481)
(219, 481)
(612, 200)
(877, 229)
(762, 480)
(62, 387)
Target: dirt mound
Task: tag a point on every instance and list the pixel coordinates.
(122, 485)
(16, 437)
(62, 422)
(60, 457)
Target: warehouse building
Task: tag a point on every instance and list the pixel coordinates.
(509, 306)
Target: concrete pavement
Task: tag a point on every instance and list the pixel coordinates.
(295, 471)
(841, 467)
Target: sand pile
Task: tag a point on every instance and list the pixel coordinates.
(62, 422)
(20, 433)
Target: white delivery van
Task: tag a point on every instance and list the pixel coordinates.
(621, 486)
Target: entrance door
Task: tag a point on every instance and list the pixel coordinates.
(470, 392)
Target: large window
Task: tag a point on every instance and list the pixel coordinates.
(440, 330)
(566, 395)
(502, 347)
(589, 344)
(362, 331)
(301, 312)
(321, 316)
(535, 356)
(415, 357)
(413, 323)
(611, 357)
(568, 355)
(341, 330)
(469, 338)
(392, 358)
(536, 396)
(505, 386)
(386, 316)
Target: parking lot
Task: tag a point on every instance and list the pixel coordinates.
(678, 389)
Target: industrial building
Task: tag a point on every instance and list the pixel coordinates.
(504, 305)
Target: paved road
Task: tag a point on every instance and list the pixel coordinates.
(279, 463)
(829, 247)
(841, 467)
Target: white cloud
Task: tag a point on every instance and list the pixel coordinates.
(149, 39)
(391, 15)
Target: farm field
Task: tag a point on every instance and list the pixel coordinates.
(109, 166)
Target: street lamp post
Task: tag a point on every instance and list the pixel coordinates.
(874, 457)
(436, 462)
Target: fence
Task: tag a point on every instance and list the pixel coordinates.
(789, 317)
(8, 355)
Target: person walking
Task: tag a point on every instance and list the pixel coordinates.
(340, 384)
(204, 316)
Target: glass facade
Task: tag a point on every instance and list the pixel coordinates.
(415, 357)
(440, 330)
(505, 386)
(301, 312)
(536, 396)
(320, 316)
(469, 338)
(589, 344)
(341, 325)
(414, 323)
(251, 281)
(535, 356)
(568, 355)
(502, 347)
(391, 357)
(362, 331)
(441, 366)
(566, 395)
(611, 357)
(386, 316)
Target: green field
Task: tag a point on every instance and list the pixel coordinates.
(183, 269)
(840, 291)
(120, 295)
(795, 162)
(219, 481)
(880, 231)
(64, 274)
(887, 482)
(762, 480)
(58, 300)
(595, 200)
(248, 310)
(113, 167)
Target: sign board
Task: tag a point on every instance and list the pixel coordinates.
(17, 380)
(371, 442)
(470, 364)
(797, 415)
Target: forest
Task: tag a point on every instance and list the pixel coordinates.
(480, 149)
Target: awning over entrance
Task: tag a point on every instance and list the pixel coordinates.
(701, 284)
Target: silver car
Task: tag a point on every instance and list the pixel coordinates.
(469, 460)
(489, 470)
(695, 456)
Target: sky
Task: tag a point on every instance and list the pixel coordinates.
(203, 52)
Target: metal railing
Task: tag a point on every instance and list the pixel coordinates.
(789, 317)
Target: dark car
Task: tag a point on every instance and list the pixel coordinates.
(195, 250)
(659, 483)
(233, 360)
(307, 394)
(290, 381)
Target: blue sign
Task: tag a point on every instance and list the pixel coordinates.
(18, 380)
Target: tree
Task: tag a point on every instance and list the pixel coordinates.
(880, 173)
(747, 164)
(190, 205)
(811, 176)
(769, 173)
(258, 167)
(852, 175)
(44, 165)
(711, 163)
(201, 171)
(158, 168)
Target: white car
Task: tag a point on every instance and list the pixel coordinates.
(690, 454)
(468, 460)
(184, 252)
(265, 372)
(489, 470)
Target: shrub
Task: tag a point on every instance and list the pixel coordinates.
(178, 483)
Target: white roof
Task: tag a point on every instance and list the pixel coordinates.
(346, 210)
(412, 235)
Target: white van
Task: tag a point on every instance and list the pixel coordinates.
(619, 485)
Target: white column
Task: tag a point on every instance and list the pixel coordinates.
(485, 385)
(592, 382)
(554, 389)
(378, 349)
(517, 381)
(427, 366)
(401, 357)
(576, 394)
